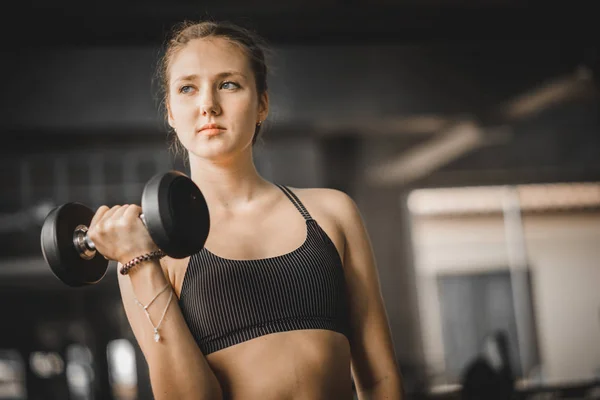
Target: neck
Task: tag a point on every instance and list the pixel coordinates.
(227, 184)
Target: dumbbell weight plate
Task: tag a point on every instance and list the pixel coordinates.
(59, 251)
(176, 214)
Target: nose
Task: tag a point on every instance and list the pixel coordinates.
(210, 109)
(209, 104)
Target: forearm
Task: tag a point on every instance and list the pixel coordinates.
(177, 367)
(389, 388)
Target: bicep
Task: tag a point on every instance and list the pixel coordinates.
(373, 356)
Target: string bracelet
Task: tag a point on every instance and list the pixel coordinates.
(154, 255)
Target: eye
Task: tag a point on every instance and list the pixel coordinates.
(229, 85)
(185, 89)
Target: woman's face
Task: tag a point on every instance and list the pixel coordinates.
(212, 103)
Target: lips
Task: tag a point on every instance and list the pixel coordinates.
(210, 126)
(211, 129)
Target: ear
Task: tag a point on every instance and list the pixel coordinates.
(170, 116)
(263, 106)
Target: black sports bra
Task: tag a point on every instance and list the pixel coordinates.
(226, 302)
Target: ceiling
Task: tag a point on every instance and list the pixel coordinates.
(69, 22)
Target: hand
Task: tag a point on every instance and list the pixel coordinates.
(119, 233)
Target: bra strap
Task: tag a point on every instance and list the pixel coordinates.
(295, 201)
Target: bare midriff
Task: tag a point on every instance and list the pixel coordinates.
(296, 365)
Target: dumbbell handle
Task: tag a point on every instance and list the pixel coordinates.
(84, 245)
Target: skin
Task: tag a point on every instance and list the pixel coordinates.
(211, 81)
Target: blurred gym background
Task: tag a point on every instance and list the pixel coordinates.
(468, 133)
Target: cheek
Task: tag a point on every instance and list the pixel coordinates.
(181, 110)
(245, 108)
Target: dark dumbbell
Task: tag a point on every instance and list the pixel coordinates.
(173, 210)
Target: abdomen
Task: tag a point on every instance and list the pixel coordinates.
(307, 364)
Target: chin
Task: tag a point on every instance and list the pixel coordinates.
(214, 151)
(218, 147)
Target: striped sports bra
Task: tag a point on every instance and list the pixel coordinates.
(226, 302)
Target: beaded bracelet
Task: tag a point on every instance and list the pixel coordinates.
(155, 255)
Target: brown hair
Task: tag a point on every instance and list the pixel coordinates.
(253, 46)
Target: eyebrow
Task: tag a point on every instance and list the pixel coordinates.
(221, 75)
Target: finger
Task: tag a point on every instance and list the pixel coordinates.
(119, 212)
(132, 212)
(108, 215)
(98, 215)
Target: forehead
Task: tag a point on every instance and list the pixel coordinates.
(208, 56)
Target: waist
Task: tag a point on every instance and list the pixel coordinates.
(305, 364)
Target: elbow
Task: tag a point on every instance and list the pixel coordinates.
(215, 393)
(389, 386)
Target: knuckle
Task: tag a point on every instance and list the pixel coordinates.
(109, 224)
(121, 223)
(135, 207)
(104, 226)
(102, 229)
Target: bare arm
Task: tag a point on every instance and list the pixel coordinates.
(374, 366)
(178, 369)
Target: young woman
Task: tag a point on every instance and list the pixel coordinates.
(284, 301)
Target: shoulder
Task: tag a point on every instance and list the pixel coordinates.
(334, 203)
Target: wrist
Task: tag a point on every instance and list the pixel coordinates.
(149, 276)
(131, 253)
(152, 255)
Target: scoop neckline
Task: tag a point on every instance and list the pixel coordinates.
(253, 260)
